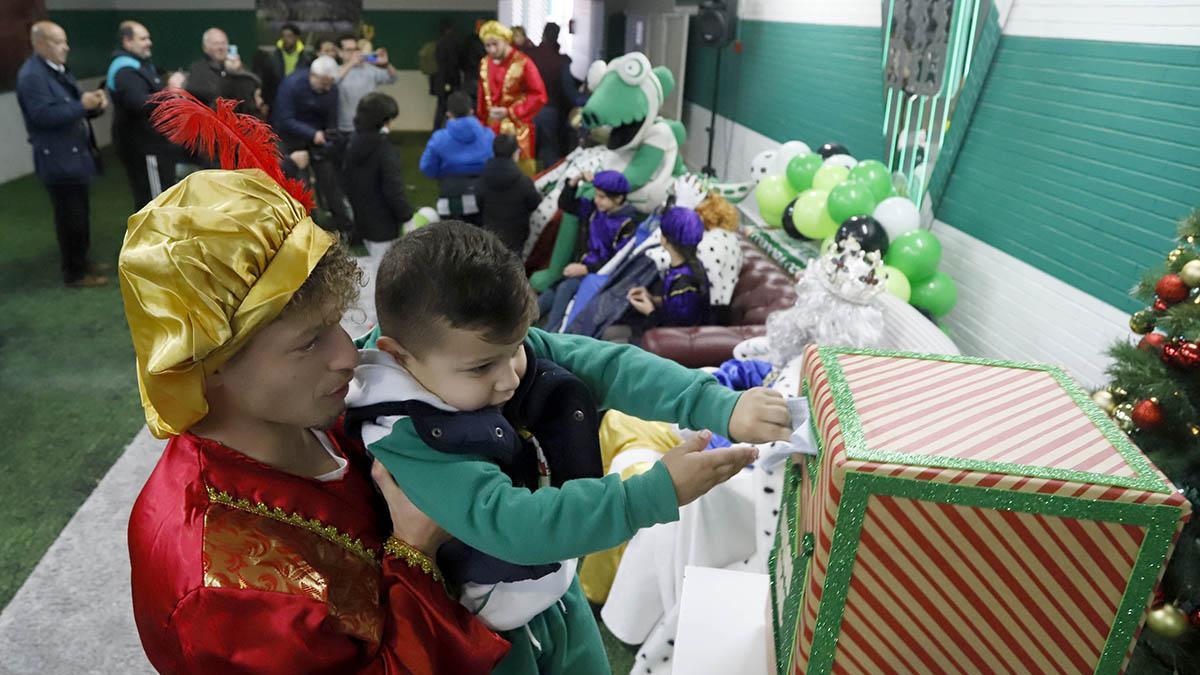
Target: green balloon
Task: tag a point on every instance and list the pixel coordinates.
(916, 254)
(801, 169)
(810, 215)
(876, 176)
(851, 198)
(896, 283)
(773, 194)
(827, 245)
(937, 294)
(829, 177)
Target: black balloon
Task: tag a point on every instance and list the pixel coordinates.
(869, 233)
(789, 225)
(927, 314)
(830, 149)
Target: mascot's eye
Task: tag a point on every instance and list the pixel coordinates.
(633, 68)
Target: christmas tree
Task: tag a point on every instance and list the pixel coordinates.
(1155, 397)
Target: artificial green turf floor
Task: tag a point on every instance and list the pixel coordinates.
(67, 381)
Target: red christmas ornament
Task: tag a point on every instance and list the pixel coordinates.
(1160, 305)
(1170, 352)
(1152, 342)
(1147, 415)
(1189, 355)
(1171, 289)
(1194, 617)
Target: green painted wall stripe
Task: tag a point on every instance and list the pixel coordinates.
(176, 35)
(807, 82)
(1080, 158)
(403, 32)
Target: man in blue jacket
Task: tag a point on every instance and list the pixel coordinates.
(56, 117)
(305, 111)
(455, 156)
(149, 158)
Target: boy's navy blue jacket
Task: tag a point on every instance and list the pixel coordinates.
(551, 408)
(57, 124)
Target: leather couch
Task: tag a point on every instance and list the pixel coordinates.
(763, 287)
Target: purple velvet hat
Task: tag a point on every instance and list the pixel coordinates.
(612, 182)
(682, 226)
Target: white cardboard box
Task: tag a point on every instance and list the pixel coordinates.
(724, 623)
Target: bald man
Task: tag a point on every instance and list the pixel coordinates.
(56, 114)
(206, 77)
(132, 78)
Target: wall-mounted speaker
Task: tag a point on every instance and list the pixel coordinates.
(716, 22)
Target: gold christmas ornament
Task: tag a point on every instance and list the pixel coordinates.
(1167, 621)
(1191, 273)
(1194, 429)
(1123, 416)
(1105, 400)
(1173, 256)
(1119, 394)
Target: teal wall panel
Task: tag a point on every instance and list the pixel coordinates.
(403, 32)
(797, 81)
(1080, 158)
(176, 35)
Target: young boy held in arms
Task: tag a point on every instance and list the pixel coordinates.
(444, 393)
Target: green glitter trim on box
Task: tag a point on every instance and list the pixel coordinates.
(857, 448)
(784, 627)
(1160, 521)
(791, 254)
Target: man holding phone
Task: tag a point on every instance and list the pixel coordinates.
(362, 71)
(206, 77)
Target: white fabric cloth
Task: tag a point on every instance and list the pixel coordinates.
(731, 527)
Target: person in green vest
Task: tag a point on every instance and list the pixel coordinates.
(274, 65)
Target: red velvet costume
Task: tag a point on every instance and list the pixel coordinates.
(516, 84)
(238, 567)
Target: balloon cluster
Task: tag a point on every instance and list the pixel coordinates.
(829, 195)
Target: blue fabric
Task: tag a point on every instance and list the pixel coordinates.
(460, 149)
(718, 442)
(742, 375)
(299, 112)
(122, 61)
(554, 301)
(56, 123)
(592, 285)
(685, 300)
(610, 304)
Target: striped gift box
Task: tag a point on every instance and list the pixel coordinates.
(965, 516)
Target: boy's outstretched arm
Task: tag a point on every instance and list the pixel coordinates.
(634, 381)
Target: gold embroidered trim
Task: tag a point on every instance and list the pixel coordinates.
(402, 550)
(327, 532)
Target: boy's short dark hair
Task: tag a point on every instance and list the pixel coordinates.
(452, 274)
(290, 27)
(504, 145)
(374, 110)
(346, 36)
(458, 104)
(322, 41)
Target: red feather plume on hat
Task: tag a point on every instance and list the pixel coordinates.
(237, 141)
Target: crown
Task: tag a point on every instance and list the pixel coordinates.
(849, 272)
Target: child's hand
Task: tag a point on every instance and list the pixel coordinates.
(760, 416)
(640, 299)
(695, 471)
(409, 523)
(575, 270)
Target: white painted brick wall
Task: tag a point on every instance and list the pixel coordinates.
(1174, 22)
(826, 12)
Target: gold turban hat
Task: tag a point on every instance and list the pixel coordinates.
(495, 29)
(204, 266)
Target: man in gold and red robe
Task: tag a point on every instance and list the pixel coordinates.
(511, 91)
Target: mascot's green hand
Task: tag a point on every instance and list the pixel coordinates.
(542, 279)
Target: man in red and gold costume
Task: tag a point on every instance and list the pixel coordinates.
(511, 91)
(265, 540)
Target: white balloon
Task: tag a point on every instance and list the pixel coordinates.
(897, 215)
(760, 166)
(840, 160)
(786, 152)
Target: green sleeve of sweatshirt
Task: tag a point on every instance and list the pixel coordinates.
(634, 381)
(476, 503)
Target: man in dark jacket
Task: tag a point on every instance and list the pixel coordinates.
(273, 66)
(372, 174)
(548, 122)
(506, 196)
(56, 117)
(448, 78)
(206, 77)
(305, 110)
(149, 158)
